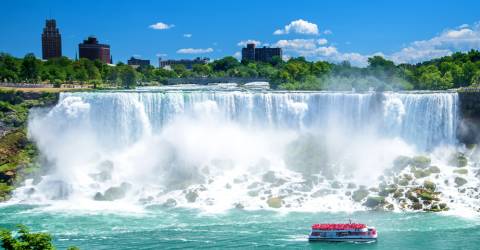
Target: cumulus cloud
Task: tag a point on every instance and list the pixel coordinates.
(187, 35)
(299, 26)
(244, 43)
(194, 51)
(161, 26)
(327, 32)
(237, 55)
(461, 38)
(322, 41)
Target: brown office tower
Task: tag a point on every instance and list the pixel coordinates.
(51, 40)
(93, 50)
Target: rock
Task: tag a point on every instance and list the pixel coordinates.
(191, 196)
(239, 206)
(336, 185)
(418, 173)
(426, 194)
(351, 185)
(401, 162)
(170, 203)
(421, 161)
(389, 207)
(397, 194)
(429, 185)
(228, 186)
(374, 189)
(374, 201)
(274, 202)
(269, 177)
(461, 171)
(434, 169)
(458, 160)
(412, 197)
(321, 193)
(253, 193)
(348, 193)
(443, 206)
(115, 193)
(403, 182)
(360, 194)
(416, 206)
(460, 181)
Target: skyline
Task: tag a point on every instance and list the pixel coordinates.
(214, 29)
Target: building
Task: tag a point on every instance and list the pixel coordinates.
(51, 40)
(93, 50)
(265, 54)
(186, 62)
(137, 62)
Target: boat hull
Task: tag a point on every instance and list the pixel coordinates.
(314, 239)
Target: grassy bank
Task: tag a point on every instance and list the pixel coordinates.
(17, 153)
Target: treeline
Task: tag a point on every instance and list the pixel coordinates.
(457, 70)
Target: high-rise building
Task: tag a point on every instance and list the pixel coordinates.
(265, 54)
(137, 62)
(51, 40)
(93, 50)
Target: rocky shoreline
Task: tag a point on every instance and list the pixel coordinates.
(17, 153)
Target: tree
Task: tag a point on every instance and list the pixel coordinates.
(128, 76)
(202, 69)
(225, 63)
(26, 240)
(30, 68)
(9, 69)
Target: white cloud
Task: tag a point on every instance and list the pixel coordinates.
(327, 32)
(322, 41)
(161, 26)
(161, 55)
(296, 44)
(237, 55)
(299, 26)
(244, 43)
(461, 38)
(194, 51)
(187, 35)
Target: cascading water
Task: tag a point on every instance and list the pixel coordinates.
(222, 149)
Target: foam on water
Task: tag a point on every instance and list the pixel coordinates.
(216, 150)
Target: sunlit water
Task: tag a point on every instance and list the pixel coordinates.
(222, 145)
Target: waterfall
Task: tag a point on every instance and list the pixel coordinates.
(155, 146)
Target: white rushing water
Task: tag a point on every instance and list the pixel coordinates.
(221, 149)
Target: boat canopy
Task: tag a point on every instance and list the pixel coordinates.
(346, 226)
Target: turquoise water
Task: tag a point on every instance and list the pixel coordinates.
(176, 228)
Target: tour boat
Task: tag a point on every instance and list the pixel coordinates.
(354, 232)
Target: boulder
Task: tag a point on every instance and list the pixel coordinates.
(401, 162)
(460, 181)
(461, 171)
(274, 202)
(374, 201)
(170, 203)
(429, 185)
(421, 161)
(191, 196)
(434, 169)
(416, 206)
(458, 160)
(351, 185)
(360, 194)
(336, 185)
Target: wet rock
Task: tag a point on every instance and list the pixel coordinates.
(429, 185)
(348, 193)
(426, 194)
(397, 194)
(321, 193)
(170, 203)
(351, 185)
(458, 160)
(374, 189)
(416, 206)
(336, 185)
(228, 186)
(419, 173)
(461, 171)
(401, 162)
(443, 206)
(421, 161)
(410, 195)
(191, 196)
(389, 207)
(360, 194)
(239, 206)
(374, 201)
(434, 169)
(253, 193)
(274, 202)
(254, 185)
(460, 181)
(269, 177)
(113, 193)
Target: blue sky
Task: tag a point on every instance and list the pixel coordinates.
(404, 31)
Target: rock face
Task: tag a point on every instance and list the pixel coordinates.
(274, 202)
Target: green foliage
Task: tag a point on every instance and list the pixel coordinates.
(457, 70)
(26, 240)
